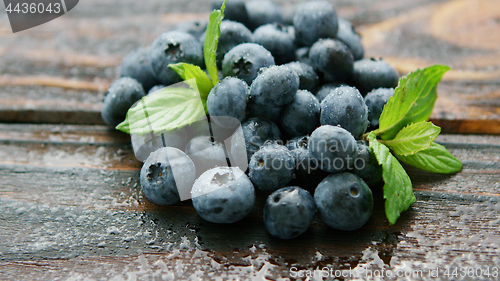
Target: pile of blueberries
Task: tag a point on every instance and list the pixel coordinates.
(303, 95)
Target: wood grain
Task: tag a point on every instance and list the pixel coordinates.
(71, 201)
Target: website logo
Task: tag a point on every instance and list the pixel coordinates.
(25, 14)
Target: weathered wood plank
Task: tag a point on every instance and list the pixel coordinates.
(95, 36)
(69, 199)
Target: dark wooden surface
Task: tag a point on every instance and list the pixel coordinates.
(70, 200)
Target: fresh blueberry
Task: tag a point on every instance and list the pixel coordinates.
(167, 175)
(345, 107)
(261, 12)
(308, 79)
(232, 33)
(195, 27)
(332, 60)
(307, 168)
(271, 167)
(314, 20)
(275, 86)
(301, 116)
(289, 212)
(369, 74)
(270, 113)
(121, 95)
(344, 201)
(276, 38)
(302, 55)
(375, 101)
(156, 88)
(235, 10)
(143, 145)
(173, 47)
(245, 60)
(223, 195)
(229, 98)
(351, 38)
(256, 132)
(366, 165)
(326, 89)
(297, 142)
(206, 153)
(334, 147)
(136, 65)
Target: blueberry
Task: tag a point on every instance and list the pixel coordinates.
(231, 34)
(334, 147)
(302, 55)
(271, 167)
(136, 65)
(289, 212)
(275, 86)
(121, 95)
(261, 12)
(173, 47)
(206, 127)
(308, 79)
(156, 88)
(307, 168)
(167, 175)
(195, 27)
(332, 60)
(235, 10)
(223, 195)
(369, 74)
(143, 145)
(301, 116)
(344, 201)
(270, 113)
(375, 101)
(228, 98)
(245, 60)
(206, 153)
(297, 142)
(314, 20)
(366, 165)
(256, 132)
(351, 38)
(276, 38)
(326, 89)
(346, 108)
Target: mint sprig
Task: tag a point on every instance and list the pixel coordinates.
(172, 108)
(211, 41)
(166, 110)
(405, 134)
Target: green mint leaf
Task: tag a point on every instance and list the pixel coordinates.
(398, 192)
(166, 110)
(435, 159)
(413, 138)
(211, 40)
(412, 102)
(188, 71)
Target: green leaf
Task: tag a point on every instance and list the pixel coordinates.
(211, 40)
(188, 71)
(435, 159)
(398, 192)
(166, 110)
(412, 102)
(413, 138)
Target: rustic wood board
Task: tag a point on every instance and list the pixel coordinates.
(59, 72)
(71, 207)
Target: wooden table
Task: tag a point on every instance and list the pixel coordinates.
(70, 199)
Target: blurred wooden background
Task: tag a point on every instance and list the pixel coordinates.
(70, 201)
